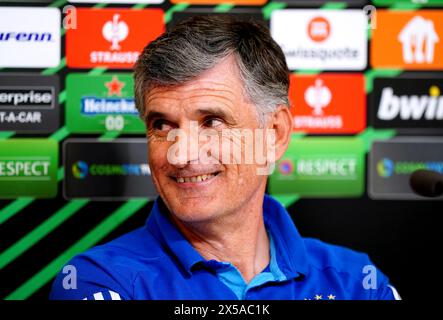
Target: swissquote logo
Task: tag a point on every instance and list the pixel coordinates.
(321, 39)
(328, 103)
(412, 102)
(319, 29)
(411, 40)
(111, 38)
(29, 37)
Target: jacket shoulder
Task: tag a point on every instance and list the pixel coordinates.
(353, 270)
(112, 266)
(323, 255)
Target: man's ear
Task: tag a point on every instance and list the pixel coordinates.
(281, 122)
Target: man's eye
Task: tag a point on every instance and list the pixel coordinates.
(212, 122)
(161, 125)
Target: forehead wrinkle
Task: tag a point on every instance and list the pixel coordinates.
(224, 84)
(163, 96)
(205, 98)
(191, 90)
(233, 90)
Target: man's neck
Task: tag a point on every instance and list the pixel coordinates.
(239, 238)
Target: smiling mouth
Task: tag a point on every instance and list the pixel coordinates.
(197, 178)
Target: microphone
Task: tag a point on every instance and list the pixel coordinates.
(427, 183)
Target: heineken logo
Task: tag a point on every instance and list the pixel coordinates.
(92, 105)
(102, 103)
(115, 86)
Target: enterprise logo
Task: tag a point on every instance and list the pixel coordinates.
(16, 99)
(81, 170)
(28, 103)
(387, 167)
(21, 97)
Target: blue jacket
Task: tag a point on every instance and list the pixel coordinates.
(157, 262)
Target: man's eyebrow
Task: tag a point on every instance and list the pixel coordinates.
(154, 115)
(210, 111)
(215, 111)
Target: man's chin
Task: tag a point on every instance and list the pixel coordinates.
(194, 210)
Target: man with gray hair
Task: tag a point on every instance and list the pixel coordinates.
(212, 91)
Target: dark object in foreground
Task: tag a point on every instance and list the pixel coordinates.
(427, 183)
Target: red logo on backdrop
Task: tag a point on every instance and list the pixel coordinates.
(115, 87)
(328, 103)
(111, 38)
(319, 29)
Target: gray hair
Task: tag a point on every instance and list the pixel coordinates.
(199, 43)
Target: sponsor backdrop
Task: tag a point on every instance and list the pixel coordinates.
(366, 81)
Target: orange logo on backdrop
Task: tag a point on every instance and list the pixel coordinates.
(409, 40)
(111, 38)
(319, 29)
(328, 103)
(243, 2)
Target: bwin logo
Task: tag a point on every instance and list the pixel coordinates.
(26, 36)
(414, 107)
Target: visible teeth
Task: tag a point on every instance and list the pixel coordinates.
(195, 179)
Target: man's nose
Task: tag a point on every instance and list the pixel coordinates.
(187, 151)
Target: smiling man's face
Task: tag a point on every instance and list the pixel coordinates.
(195, 191)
